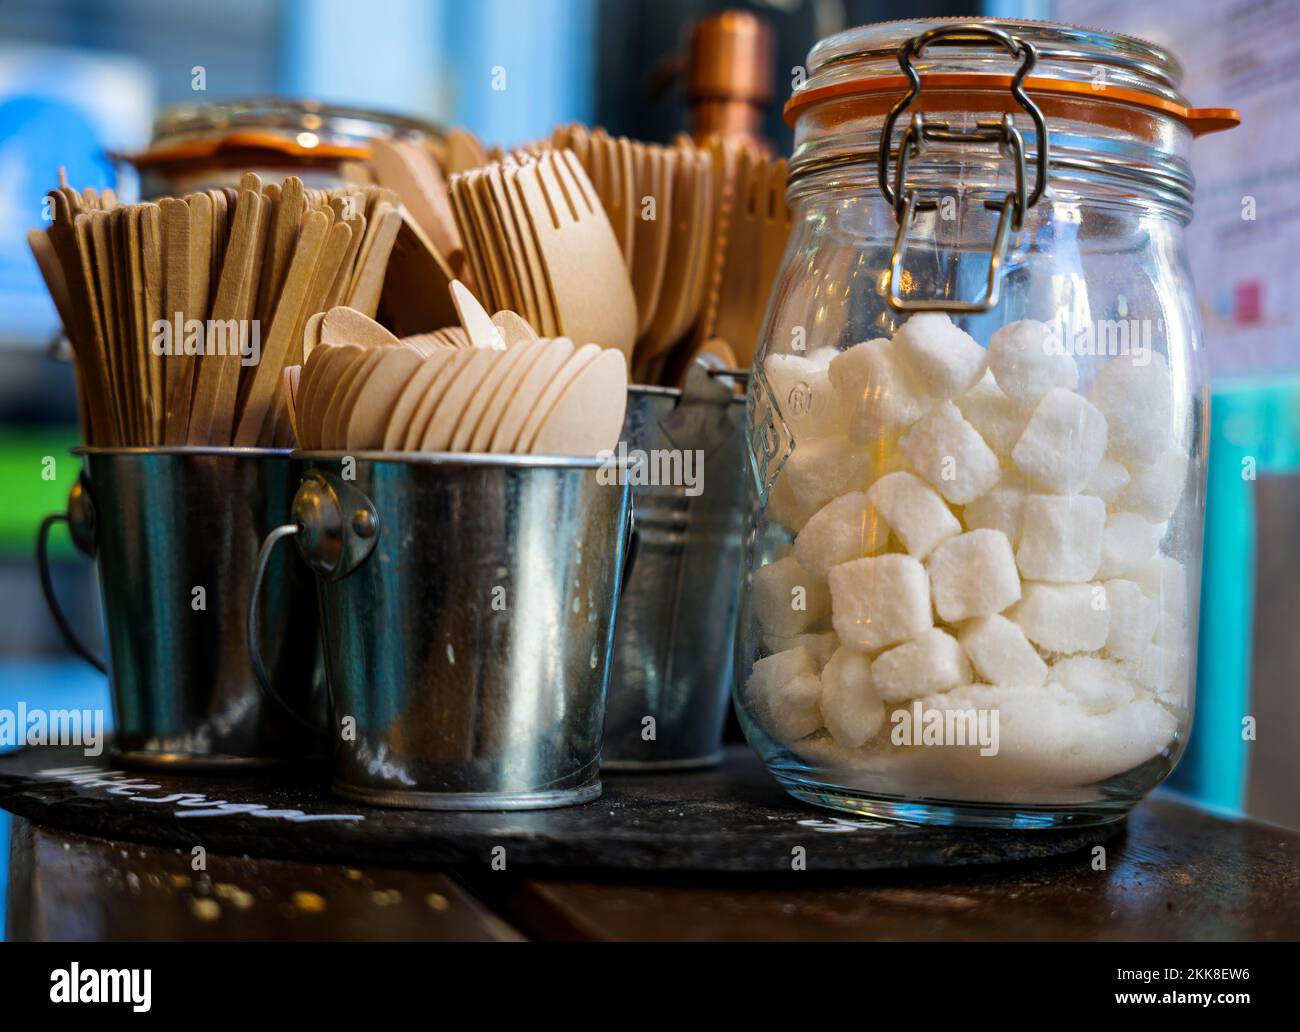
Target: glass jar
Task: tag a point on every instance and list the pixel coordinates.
(977, 429)
(210, 145)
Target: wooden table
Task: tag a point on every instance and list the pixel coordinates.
(1176, 873)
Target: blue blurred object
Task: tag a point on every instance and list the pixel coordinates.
(58, 107)
(508, 71)
(1255, 420)
(50, 685)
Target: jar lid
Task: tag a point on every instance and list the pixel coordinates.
(1073, 64)
(299, 128)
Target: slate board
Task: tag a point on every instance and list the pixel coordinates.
(734, 818)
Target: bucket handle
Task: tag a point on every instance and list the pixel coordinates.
(254, 633)
(335, 527)
(80, 518)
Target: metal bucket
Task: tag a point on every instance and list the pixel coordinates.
(671, 681)
(175, 533)
(467, 609)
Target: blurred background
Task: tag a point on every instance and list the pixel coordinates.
(83, 80)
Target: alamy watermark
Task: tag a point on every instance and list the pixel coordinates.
(24, 727)
(659, 467)
(194, 337)
(1072, 333)
(948, 726)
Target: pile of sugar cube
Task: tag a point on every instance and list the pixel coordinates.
(971, 529)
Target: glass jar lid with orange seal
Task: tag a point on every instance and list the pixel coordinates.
(207, 146)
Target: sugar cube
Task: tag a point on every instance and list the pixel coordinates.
(845, 528)
(804, 395)
(874, 390)
(879, 600)
(973, 574)
(950, 454)
(1099, 685)
(1002, 509)
(1133, 619)
(785, 508)
(996, 418)
(1063, 442)
(820, 644)
(1062, 535)
(787, 599)
(1063, 617)
(850, 706)
(1136, 397)
(1164, 580)
(943, 357)
(931, 662)
(825, 468)
(1000, 652)
(919, 518)
(786, 692)
(1155, 490)
(1162, 671)
(1127, 541)
(1107, 480)
(1028, 360)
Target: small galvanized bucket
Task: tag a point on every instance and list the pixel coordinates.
(175, 533)
(467, 608)
(671, 683)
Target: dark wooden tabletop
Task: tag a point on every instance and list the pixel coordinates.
(1177, 873)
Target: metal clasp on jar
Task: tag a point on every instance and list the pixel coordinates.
(920, 132)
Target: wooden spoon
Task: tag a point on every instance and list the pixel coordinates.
(554, 355)
(587, 418)
(373, 405)
(412, 394)
(578, 361)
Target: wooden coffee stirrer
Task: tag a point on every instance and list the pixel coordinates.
(83, 288)
(332, 265)
(192, 275)
(98, 238)
(76, 325)
(83, 292)
(286, 223)
(369, 279)
(276, 348)
(218, 375)
(118, 262)
(151, 240)
(289, 386)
